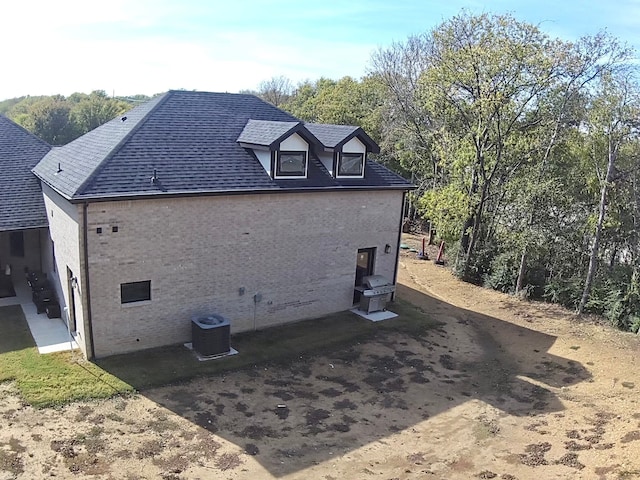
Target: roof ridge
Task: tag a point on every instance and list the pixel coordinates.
(332, 124)
(20, 127)
(121, 143)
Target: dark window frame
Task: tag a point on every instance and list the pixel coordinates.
(298, 174)
(133, 292)
(360, 157)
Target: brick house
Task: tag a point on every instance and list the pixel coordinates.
(199, 202)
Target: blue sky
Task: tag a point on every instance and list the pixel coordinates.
(149, 46)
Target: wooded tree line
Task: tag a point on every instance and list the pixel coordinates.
(59, 120)
(524, 150)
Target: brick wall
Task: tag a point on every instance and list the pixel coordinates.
(297, 251)
(65, 230)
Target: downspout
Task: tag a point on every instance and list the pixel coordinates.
(85, 242)
(395, 271)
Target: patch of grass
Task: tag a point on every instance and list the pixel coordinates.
(54, 379)
(47, 380)
(166, 365)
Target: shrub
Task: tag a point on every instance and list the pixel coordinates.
(565, 291)
(503, 273)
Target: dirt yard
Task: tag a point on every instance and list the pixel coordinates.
(504, 389)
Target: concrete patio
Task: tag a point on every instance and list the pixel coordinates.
(50, 334)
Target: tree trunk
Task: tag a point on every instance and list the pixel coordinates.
(475, 231)
(612, 259)
(464, 242)
(465, 237)
(593, 260)
(523, 258)
(521, 270)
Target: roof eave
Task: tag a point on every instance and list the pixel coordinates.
(372, 146)
(300, 129)
(21, 229)
(53, 187)
(254, 146)
(239, 191)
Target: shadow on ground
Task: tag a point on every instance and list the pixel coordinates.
(316, 408)
(14, 330)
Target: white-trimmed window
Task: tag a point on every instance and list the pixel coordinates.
(135, 292)
(291, 164)
(351, 165)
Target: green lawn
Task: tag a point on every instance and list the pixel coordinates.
(45, 380)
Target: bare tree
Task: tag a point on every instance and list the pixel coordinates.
(276, 90)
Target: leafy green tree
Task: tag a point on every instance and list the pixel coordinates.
(49, 119)
(91, 111)
(612, 121)
(579, 65)
(483, 85)
(345, 102)
(59, 120)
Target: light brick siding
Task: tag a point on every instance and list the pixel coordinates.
(297, 251)
(65, 230)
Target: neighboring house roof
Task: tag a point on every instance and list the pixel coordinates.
(188, 141)
(20, 193)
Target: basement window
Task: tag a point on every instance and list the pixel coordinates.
(291, 164)
(135, 292)
(351, 165)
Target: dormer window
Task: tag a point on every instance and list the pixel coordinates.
(291, 164)
(351, 165)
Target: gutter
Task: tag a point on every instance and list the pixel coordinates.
(239, 191)
(85, 241)
(395, 271)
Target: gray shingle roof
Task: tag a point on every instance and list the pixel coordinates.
(82, 158)
(330, 135)
(21, 202)
(265, 132)
(190, 139)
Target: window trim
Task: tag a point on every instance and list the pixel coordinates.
(279, 174)
(135, 299)
(339, 163)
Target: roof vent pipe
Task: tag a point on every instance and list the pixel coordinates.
(59, 168)
(154, 178)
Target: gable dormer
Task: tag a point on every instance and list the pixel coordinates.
(281, 147)
(345, 149)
